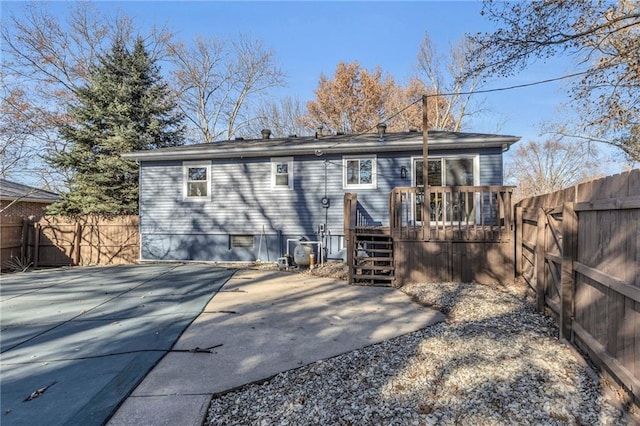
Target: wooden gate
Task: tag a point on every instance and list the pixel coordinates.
(579, 249)
(549, 258)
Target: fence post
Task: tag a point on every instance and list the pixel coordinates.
(519, 236)
(569, 252)
(76, 243)
(36, 244)
(25, 239)
(541, 287)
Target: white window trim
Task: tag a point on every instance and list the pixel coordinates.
(185, 178)
(374, 172)
(274, 163)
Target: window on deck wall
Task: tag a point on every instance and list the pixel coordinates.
(282, 173)
(359, 172)
(197, 181)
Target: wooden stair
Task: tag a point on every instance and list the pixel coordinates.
(372, 258)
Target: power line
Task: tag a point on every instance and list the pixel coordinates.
(517, 86)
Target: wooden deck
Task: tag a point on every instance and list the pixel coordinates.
(461, 213)
(469, 236)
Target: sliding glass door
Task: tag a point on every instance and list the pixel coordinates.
(446, 206)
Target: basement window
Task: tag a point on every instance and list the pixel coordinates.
(241, 241)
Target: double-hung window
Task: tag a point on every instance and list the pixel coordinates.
(197, 180)
(359, 172)
(282, 173)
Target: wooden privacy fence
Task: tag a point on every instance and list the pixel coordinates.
(89, 240)
(579, 248)
(12, 244)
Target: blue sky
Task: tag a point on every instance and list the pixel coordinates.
(310, 38)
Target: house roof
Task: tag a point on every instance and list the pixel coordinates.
(11, 191)
(334, 144)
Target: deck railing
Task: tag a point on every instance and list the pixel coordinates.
(452, 213)
(364, 218)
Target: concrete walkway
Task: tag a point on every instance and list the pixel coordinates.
(259, 324)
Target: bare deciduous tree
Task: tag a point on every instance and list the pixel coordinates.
(200, 80)
(543, 167)
(45, 61)
(602, 36)
(283, 118)
(450, 76)
(15, 149)
(220, 83)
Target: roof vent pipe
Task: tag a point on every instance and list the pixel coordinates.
(319, 132)
(266, 133)
(382, 128)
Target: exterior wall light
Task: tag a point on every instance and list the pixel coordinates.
(403, 172)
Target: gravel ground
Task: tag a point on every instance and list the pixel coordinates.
(494, 361)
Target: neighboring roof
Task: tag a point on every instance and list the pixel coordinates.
(333, 144)
(12, 190)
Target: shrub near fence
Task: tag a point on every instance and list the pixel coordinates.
(88, 240)
(579, 248)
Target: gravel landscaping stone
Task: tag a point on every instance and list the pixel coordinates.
(494, 361)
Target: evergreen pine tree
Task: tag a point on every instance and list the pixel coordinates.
(125, 107)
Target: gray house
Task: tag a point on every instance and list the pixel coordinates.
(244, 200)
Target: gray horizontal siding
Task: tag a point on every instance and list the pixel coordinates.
(491, 167)
(242, 202)
(217, 247)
